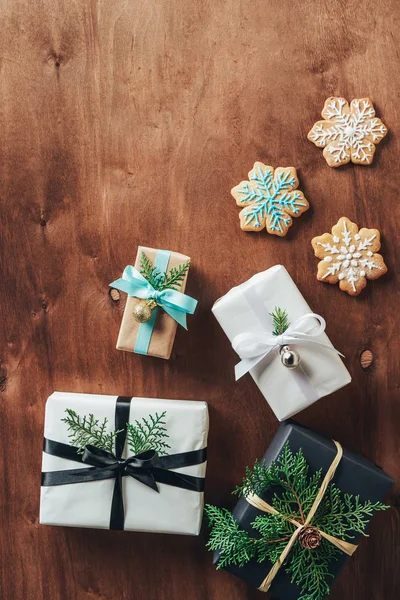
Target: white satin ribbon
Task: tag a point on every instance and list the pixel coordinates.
(254, 346)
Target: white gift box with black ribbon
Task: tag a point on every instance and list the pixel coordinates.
(244, 313)
(117, 490)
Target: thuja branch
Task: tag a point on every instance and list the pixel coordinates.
(161, 281)
(149, 272)
(88, 430)
(282, 539)
(297, 500)
(147, 434)
(175, 276)
(341, 515)
(289, 472)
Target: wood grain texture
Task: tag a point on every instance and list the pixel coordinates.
(126, 123)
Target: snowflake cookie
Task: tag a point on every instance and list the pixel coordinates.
(348, 256)
(348, 133)
(269, 199)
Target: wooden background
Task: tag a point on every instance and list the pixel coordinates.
(126, 123)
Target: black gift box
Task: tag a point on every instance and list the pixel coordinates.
(354, 475)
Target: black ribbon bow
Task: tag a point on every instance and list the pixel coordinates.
(139, 467)
(146, 467)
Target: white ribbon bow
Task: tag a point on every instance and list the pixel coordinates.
(252, 347)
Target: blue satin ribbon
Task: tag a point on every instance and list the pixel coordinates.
(176, 304)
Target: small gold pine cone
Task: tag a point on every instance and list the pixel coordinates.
(309, 537)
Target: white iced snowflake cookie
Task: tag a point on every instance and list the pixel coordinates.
(349, 256)
(270, 199)
(348, 133)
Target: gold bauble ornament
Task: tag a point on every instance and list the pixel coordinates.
(143, 311)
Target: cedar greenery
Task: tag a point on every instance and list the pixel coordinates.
(280, 321)
(162, 281)
(341, 515)
(88, 430)
(147, 434)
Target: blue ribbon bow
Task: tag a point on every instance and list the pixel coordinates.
(176, 304)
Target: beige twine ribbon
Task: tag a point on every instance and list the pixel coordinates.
(257, 502)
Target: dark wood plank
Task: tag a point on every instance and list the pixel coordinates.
(126, 123)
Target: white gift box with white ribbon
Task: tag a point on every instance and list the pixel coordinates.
(177, 507)
(244, 313)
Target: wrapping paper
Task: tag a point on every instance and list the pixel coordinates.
(164, 331)
(172, 510)
(322, 367)
(354, 475)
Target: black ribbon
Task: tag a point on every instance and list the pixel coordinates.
(146, 467)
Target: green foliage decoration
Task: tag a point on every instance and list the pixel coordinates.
(280, 321)
(148, 434)
(162, 281)
(340, 515)
(87, 430)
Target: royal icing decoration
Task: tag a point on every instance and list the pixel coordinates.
(349, 256)
(269, 199)
(348, 133)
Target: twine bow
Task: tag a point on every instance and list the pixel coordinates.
(254, 346)
(259, 503)
(175, 303)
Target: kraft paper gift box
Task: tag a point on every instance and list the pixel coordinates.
(246, 309)
(155, 337)
(117, 490)
(354, 475)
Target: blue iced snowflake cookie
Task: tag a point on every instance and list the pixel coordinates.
(269, 199)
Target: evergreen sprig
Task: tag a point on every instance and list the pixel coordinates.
(162, 281)
(336, 515)
(280, 321)
(148, 270)
(340, 515)
(309, 569)
(88, 430)
(150, 434)
(235, 544)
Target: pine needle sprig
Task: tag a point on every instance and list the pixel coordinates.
(162, 281)
(340, 515)
(280, 321)
(149, 434)
(88, 430)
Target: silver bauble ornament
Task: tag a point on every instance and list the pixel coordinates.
(143, 311)
(289, 358)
